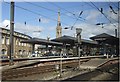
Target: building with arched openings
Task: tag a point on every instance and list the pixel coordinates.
(20, 49)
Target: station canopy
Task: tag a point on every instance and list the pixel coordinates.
(65, 39)
(106, 38)
(42, 42)
(72, 40)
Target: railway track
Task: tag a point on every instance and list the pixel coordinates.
(20, 72)
(17, 60)
(38, 69)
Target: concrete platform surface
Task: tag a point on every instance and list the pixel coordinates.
(93, 63)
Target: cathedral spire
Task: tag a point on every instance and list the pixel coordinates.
(59, 28)
(58, 22)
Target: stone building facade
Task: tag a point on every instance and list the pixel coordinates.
(20, 49)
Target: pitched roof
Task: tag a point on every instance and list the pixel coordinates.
(41, 41)
(65, 39)
(72, 40)
(106, 38)
(103, 35)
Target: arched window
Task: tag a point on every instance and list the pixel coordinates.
(7, 41)
(23, 51)
(3, 40)
(16, 41)
(29, 52)
(19, 42)
(20, 52)
(3, 51)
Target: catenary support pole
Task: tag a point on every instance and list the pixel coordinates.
(11, 33)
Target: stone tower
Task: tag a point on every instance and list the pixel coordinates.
(58, 28)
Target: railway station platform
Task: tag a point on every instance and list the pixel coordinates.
(31, 62)
(92, 63)
(65, 75)
(95, 63)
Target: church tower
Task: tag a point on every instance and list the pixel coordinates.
(58, 28)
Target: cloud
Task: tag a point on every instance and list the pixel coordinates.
(92, 15)
(26, 29)
(5, 23)
(112, 17)
(89, 30)
(49, 32)
(31, 30)
(45, 20)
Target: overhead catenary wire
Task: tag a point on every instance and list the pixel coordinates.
(83, 20)
(112, 10)
(61, 13)
(49, 17)
(114, 4)
(56, 11)
(66, 10)
(77, 20)
(36, 13)
(108, 19)
(102, 13)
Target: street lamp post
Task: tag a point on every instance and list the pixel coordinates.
(78, 32)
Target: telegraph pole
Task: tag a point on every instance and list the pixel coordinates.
(11, 33)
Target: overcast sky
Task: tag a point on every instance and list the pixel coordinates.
(31, 12)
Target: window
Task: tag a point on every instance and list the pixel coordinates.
(22, 44)
(4, 51)
(23, 51)
(25, 44)
(3, 40)
(29, 52)
(7, 41)
(19, 42)
(16, 41)
(20, 52)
